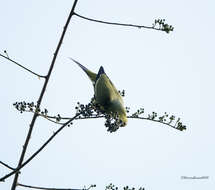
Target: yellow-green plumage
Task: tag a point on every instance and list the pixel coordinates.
(106, 94)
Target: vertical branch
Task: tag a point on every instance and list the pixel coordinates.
(41, 96)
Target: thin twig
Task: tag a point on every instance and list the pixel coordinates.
(21, 164)
(7, 166)
(45, 188)
(40, 149)
(51, 118)
(116, 23)
(158, 121)
(30, 71)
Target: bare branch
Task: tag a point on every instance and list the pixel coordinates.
(163, 27)
(53, 118)
(93, 113)
(40, 149)
(30, 71)
(48, 188)
(7, 166)
(20, 163)
(91, 186)
(158, 121)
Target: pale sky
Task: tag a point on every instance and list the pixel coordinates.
(161, 72)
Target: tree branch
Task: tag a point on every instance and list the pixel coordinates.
(48, 188)
(158, 121)
(93, 113)
(20, 164)
(53, 118)
(7, 166)
(30, 71)
(40, 149)
(162, 26)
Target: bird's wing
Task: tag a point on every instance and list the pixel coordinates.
(106, 83)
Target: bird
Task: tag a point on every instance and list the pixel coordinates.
(105, 93)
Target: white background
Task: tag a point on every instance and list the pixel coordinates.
(160, 72)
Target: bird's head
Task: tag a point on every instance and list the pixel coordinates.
(123, 119)
(119, 109)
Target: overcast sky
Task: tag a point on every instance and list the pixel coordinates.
(161, 72)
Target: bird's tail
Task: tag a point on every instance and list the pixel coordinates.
(89, 73)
